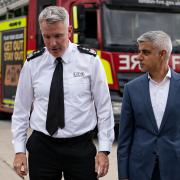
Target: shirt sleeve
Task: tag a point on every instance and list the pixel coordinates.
(22, 108)
(102, 100)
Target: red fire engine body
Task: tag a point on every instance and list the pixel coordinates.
(111, 27)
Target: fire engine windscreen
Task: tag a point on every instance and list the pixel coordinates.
(122, 27)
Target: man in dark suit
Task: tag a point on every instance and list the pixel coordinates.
(149, 138)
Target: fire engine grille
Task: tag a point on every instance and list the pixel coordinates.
(123, 78)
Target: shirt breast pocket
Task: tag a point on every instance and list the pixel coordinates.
(78, 87)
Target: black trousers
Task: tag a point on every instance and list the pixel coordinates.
(156, 171)
(50, 158)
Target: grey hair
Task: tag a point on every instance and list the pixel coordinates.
(159, 39)
(52, 14)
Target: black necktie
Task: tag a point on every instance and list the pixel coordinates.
(55, 113)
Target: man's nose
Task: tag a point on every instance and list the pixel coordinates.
(53, 42)
(139, 57)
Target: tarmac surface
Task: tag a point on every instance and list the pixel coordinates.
(7, 156)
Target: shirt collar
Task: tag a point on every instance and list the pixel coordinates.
(168, 75)
(51, 59)
(66, 57)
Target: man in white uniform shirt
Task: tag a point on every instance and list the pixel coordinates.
(61, 140)
(149, 134)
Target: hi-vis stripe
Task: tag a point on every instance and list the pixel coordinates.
(13, 24)
(29, 52)
(107, 68)
(75, 38)
(75, 18)
(8, 101)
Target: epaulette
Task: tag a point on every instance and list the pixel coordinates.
(87, 50)
(35, 54)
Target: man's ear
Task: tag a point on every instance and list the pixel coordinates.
(70, 29)
(163, 54)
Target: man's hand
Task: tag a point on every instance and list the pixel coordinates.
(102, 164)
(20, 164)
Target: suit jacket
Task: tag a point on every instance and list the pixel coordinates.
(140, 140)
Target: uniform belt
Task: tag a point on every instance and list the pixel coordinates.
(83, 137)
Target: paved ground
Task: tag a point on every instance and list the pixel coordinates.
(7, 155)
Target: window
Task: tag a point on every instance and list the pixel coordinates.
(87, 26)
(122, 33)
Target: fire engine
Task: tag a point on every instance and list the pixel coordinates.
(109, 26)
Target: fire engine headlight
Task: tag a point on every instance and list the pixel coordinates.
(116, 106)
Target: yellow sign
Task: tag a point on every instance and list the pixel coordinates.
(12, 56)
(13, 24)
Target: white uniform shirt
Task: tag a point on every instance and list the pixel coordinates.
(159, 94)
(84, 85)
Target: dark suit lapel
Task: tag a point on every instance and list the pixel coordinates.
(173, 87)
(147, 101)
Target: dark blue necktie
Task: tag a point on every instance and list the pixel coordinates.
(55, 113)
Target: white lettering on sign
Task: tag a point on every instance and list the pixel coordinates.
(160, 2)
(134, 61)
(127, 62)
(175, 61)
(124, 62)
(147, 1)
